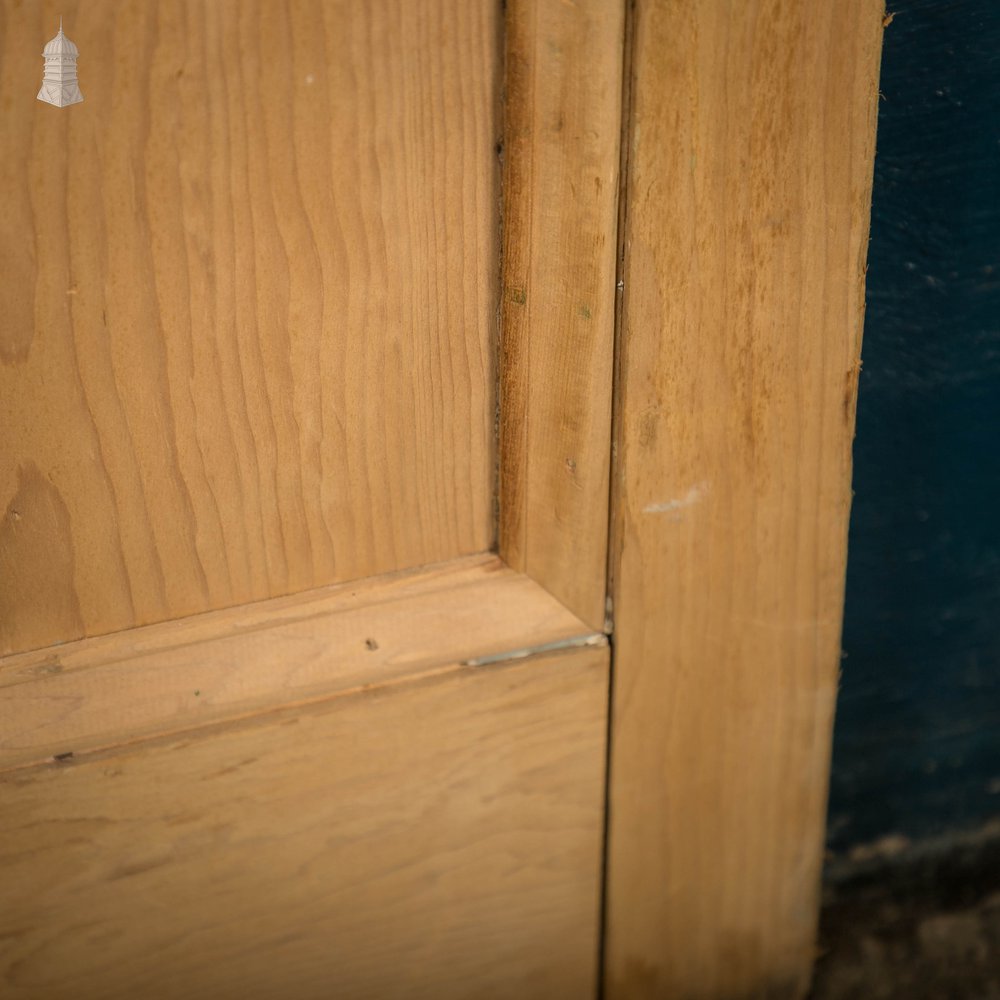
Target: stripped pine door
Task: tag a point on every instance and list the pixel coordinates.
(275, 719)
(325, 479)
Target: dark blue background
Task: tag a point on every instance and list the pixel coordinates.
(917, 738)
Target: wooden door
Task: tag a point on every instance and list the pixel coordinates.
(268, 723)
(307, 466)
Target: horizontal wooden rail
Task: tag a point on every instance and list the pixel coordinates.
(107, 691)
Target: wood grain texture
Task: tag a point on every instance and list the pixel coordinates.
(248, 299)
(562, 126)
(222, 665)
(438, 839)
(751, 143)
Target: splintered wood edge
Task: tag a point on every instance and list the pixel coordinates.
(94, 694)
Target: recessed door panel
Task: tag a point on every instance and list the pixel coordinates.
(246, 344)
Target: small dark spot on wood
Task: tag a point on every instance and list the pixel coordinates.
(61, 758)
(499, 147)
(571, 466)
(371, 644)
(197, 693)
(518, 295)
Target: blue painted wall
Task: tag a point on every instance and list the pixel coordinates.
(917, 738)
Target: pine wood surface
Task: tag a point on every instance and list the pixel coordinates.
(181, 675)
(750, 151)
(248, 303)
(562, 125)
(434, 839)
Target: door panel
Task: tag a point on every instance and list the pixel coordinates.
(248, 304)
(440, 838)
